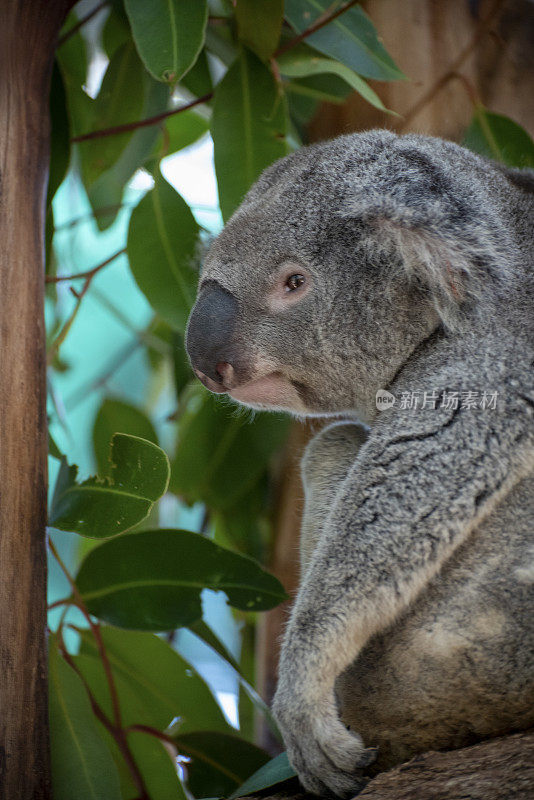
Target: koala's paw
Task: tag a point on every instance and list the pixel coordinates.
(327, 757)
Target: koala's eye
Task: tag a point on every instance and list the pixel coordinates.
(294, 282)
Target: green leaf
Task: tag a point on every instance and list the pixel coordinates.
(351, 38)
(301, 62)
(248, 128)
(99, 508)
(72, 54)
(220, 456)
(198, 80)
(119, 101)
(82, 766)
(162, 242)
(116, 416)
(154, 684)
(259, 25)
(219, 762)
(116, 31)
(152, 580)
(127, 95)
(179, 131)
(180, 363)
(156, 766)
(107, 190)
(53, 449)
(499, 137)
(169, 34)
(321, 88)
(205, 634)
(275, 771)
(59, 134)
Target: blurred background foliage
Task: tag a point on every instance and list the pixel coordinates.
(163, 114)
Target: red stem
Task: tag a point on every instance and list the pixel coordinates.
(89, 274)
(319, 23)
(141, 123)
(116, 729)
(75, 28)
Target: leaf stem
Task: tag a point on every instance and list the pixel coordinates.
(89, 273)
(115, 728)
(75, 28)
(319, 23)
(141, 123)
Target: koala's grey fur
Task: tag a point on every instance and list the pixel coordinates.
(413, 625)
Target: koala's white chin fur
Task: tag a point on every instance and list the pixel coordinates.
(271, 391)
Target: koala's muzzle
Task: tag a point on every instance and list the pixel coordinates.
(209, 334)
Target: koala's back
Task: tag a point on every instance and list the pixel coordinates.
(458, 666)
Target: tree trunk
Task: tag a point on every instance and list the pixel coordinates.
(28, 29)
(500, 769)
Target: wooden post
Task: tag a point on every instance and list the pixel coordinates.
(28, 30)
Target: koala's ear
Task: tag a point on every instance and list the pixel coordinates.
(439, 248)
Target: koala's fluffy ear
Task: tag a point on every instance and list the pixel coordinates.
(439, 247)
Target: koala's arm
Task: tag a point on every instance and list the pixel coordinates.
(418, 486)
(325, 464)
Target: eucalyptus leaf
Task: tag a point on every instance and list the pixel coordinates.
(259, 25)
(275, 771)
(168, 34)
(116, 31)
(99, 508)
(180, 131)
(500, 138)
(350, 38)
(156, 766)
(303, 62)
(198, 80)
(205, 634)
(248, 126)
(220, 455)
(162, 243)
(119, 101)
(219, 762)
(116, 416)
(72, 53)
(53, 449)
(82, 766)
(149, 696)
(127, 94)
(152, 580)
(105, 193)
(181, 367)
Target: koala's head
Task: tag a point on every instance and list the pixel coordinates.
(341, 260)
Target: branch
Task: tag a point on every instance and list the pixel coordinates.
(83, 20)
(438, 85)
(319, 23)
(117, 361)
(140, 123)
(116, 729)
(496, 769)
(88, 274)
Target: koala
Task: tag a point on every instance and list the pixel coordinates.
(397, 265)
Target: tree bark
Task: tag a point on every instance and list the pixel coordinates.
(28, 30)
(499, 769)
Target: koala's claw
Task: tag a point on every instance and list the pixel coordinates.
(326, 756)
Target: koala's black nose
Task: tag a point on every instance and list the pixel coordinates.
(209, 333)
